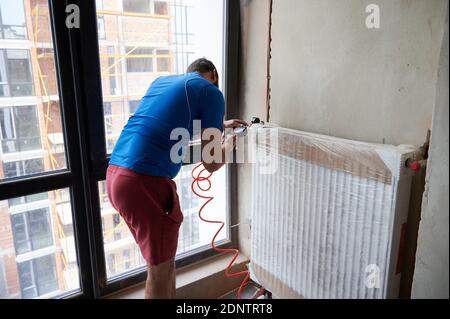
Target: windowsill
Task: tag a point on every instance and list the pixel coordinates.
(203, 280)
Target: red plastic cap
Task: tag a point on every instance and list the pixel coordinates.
(415, 166)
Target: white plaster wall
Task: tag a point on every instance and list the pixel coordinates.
(332, 75)
(252, 97)
(431, 271)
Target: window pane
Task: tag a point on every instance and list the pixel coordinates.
(101, 27)
(37, 246)
(21, 239)
(31, 135)
(45, 271)
(139, 60)
(157, 38)
(99, 4)
(161, 7)
(23, 168)
(122, 253)
(148, 46)
(138, 6)
(27, 284)
(27, 199)
(12, 19)
(40, 228)
(20, 130)
(194, 233)
(134, 106)
(32, 230)
(163, 60)
(17, 64)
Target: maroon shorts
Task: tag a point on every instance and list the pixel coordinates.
(150, 207)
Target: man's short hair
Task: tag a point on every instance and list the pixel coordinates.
(202, 66)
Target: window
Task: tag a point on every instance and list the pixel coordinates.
(101, 27)
(187, 200)
(31, 132)
(189, 233)
(184, 37)
(50, 222)
(19, 129)
(37, 245)
(112, 264)
(12, 20)
(116, 220)
(32, 230)
(23, 168)
(37, 277)
(100, 20)
(161, 8)
(153, 47)
(15, 73)
(99, 5)
(137, 6)
(108, 118)
(163, 60)
(27, 199)
(112, 70)
(126, 258)
(134, 106)
(117, 238)
(193, 233)
(38, 230)
(139, 60)
(116, 224)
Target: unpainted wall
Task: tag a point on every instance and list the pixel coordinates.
(252, 96)
(431, 271)
(333, 75)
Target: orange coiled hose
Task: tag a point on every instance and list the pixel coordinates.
(197, 187)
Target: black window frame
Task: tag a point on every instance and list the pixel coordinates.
(80, 89)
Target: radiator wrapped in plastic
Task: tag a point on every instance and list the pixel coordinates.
(327, 215)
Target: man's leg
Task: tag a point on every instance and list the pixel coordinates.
(161, 281)
(173, 283)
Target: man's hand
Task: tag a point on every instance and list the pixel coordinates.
(235, 123)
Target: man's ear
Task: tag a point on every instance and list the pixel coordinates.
(216, 77)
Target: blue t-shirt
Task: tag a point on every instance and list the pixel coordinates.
(144, 145)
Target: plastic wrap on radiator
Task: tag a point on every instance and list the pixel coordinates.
(326, 215)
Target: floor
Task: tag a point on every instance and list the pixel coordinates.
(249, 290)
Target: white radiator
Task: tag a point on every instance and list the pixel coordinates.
(327, 215)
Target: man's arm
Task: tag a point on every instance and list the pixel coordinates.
(235, 123)
(227, 146)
